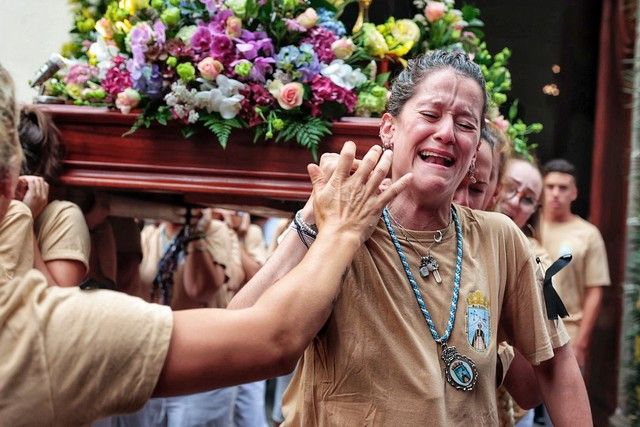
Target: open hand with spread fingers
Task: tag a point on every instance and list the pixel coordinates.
(351, 204)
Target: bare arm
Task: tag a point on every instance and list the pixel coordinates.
(590, 311)
(521, 382)
(39, 264)
(563, 389)
(213, 348)
(66, 272)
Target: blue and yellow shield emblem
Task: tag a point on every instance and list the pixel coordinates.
(478, 321)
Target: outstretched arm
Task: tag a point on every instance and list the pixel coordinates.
(214, 348)
(590, 311)
(563, 389)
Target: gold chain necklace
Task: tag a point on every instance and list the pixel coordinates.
(428, 263)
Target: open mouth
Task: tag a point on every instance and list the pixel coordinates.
(436, 158)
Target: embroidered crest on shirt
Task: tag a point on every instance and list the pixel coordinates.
(478, 325)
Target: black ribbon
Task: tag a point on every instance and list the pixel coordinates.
(167, 266)
(553, 302)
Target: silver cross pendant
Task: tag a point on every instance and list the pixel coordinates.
(429, 264)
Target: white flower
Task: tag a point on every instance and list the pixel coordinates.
(104, 53)
(228, 86)
(223, 99)
(343, 75)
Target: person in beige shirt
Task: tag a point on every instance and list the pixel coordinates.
(386, 355)
(69, 356)
(200, 280)
(62, 237)
(583, 280)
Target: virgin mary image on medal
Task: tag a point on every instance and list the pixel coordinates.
(478, 319)
(459, 370)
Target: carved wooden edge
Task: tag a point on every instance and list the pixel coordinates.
(103, 160)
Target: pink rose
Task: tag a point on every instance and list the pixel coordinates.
(434, 10)
(290, 95)
(127, 99)
(501, 123)
(234, 26)
(210, 68)
(307, 18)
(343, 48)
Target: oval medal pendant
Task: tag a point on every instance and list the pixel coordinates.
(459, 370)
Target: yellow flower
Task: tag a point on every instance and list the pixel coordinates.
(637, 352)
(405, 30)
(132, 6)
(123, 26)
(93, 60)
(401, 49)
(374, 42)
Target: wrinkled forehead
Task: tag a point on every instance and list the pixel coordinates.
(448, 86)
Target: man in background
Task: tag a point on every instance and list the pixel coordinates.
(580, 283)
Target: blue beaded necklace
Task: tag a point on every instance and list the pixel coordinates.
(460, 371)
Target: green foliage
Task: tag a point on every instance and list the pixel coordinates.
(220, 127)
(153, 113)
(308, 132)
(519, 133)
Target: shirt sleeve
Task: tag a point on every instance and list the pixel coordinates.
(16, 241)
(71, 356)
(62, 233)
(523, 318)
(105, 350)
(596, 263)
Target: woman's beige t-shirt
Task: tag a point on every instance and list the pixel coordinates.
(16, 241)
(62, 233)
(72, 356)
(376, 363)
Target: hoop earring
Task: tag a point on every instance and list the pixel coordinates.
(386, 145)
(472, 172)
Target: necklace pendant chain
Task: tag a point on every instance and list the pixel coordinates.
(459, 370)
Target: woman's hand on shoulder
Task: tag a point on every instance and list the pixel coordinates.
(351, 204)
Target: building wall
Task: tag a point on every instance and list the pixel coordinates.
(31, 31)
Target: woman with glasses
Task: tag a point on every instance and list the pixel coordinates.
(519, 200)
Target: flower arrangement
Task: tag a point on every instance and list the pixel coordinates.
(284, 68)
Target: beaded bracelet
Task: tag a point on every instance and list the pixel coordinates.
(309, 229)
(303, 229)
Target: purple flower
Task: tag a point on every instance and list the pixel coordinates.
(294, 26)
(248, 50)
(261, 66)
(149, 81)
(201, 40)
(219, 22)
(159, 30)
(321, 39)
(222, 49)
(211, 5)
